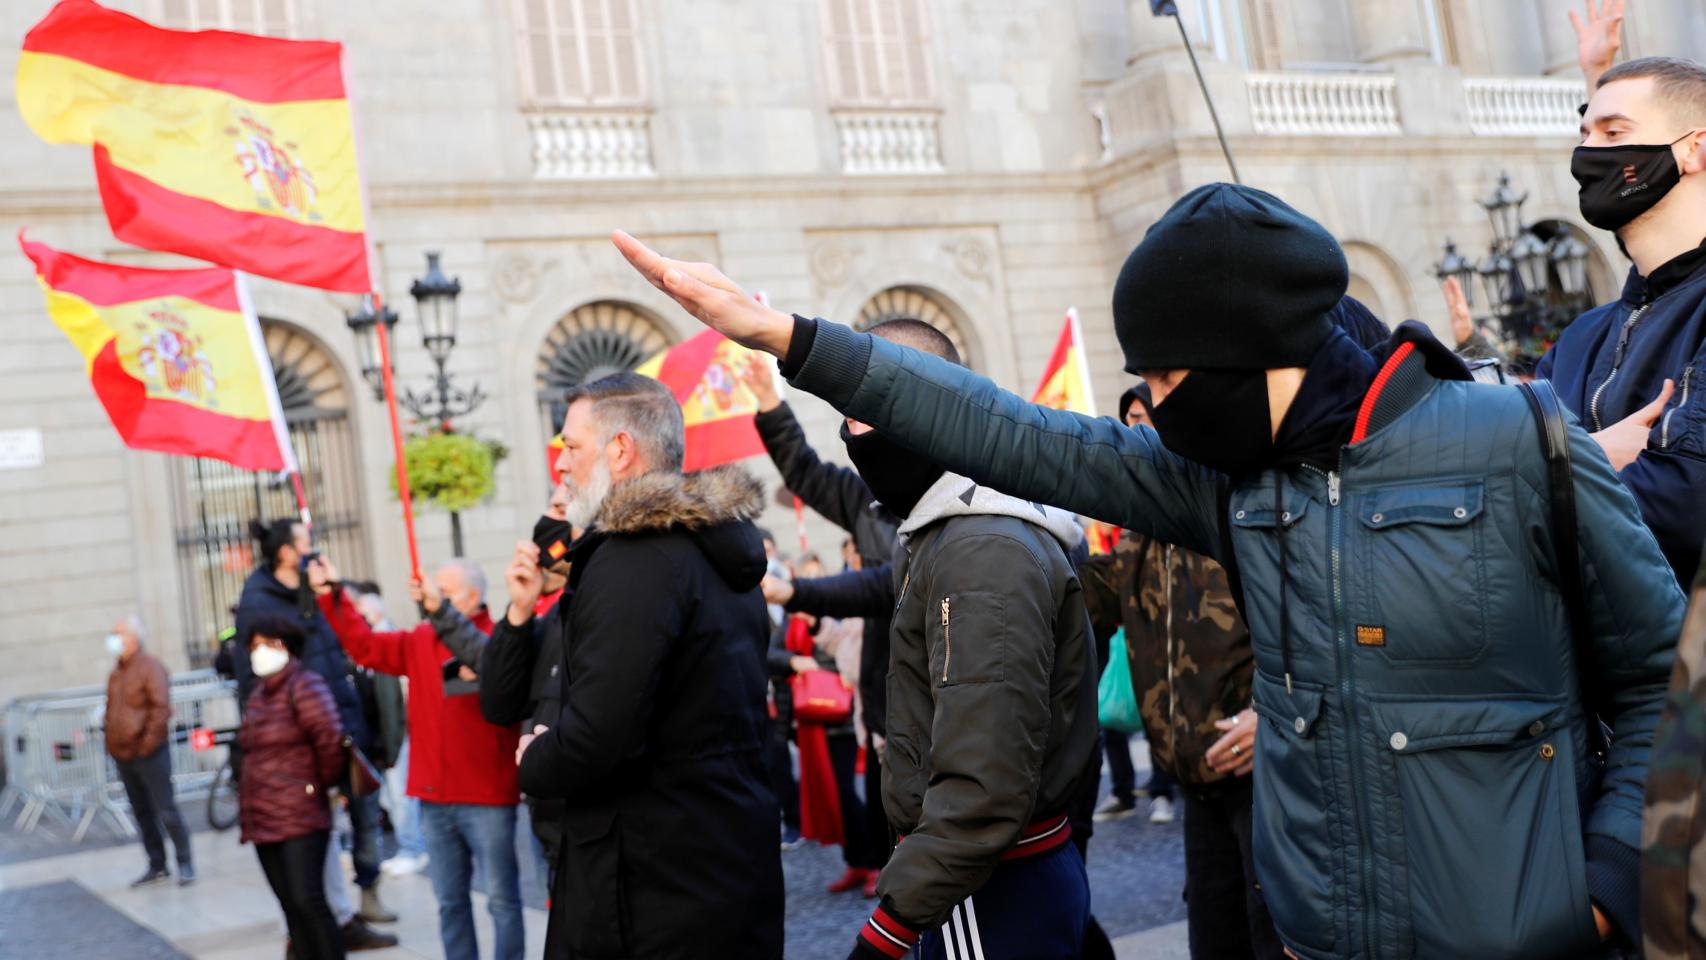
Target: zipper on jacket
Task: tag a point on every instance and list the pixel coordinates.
(1616, 361)
(1172, 697)
(947, 641)
(1664, 425)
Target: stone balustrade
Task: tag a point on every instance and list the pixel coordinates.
(889, 141)
(1523, 106)
(589, 145)
(1324, 104)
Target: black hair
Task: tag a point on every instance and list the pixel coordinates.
(365, 586)
(1356, 319)
(919, 335)
(273, 537)
(283, 629)
(764, 534)
(1137, 393)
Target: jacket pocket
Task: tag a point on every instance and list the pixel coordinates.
(1425, 604)
(1290, 827)
(1487, 841)
(593, 897)
(968, 638)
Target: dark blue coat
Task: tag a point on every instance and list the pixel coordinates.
(264, 594)
(1614, 359)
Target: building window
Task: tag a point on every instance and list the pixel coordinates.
(917, 303)
(593, 341)
(878, 53)
(580, 53)
(272, 18)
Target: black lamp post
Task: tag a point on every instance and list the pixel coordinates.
(362, 323)
(1534, 275)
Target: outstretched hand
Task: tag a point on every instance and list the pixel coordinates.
(1457, 304)
(759, 376)
(712, 299)
(1598, 38)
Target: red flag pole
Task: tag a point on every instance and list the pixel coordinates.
(396, 436)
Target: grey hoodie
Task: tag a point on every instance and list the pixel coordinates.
(992, 691)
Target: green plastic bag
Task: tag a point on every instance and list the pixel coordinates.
(1116, 701)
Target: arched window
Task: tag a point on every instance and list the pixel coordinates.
(878, 53)
(580, 53)
(595, 340)
(273, 18)
(214, 501)
(916, 303)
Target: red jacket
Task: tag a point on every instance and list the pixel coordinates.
(455, 756)
(292, 751)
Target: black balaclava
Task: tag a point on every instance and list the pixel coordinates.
(1220, 419)
(897, 476)
(1620, 183)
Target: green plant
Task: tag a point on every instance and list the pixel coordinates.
(451, 471)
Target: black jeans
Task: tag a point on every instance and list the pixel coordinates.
(148, 784)
(296, 871)
(877, 828)
(781, 765)
(1226, 915)
(858, 848)
(1120, 768)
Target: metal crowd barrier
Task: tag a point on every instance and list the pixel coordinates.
(57, 766)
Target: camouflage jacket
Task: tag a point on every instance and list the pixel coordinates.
(1190, 654)
(1673, 833)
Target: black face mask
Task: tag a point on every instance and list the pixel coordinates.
(553, 537)
(1620, 183)
(897, 476)
(1220, 419)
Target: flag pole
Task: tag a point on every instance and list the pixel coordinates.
(1203, 85)
(275, 407)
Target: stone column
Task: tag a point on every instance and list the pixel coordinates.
(1391, 30)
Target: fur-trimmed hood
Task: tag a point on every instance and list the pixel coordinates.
(714, 507)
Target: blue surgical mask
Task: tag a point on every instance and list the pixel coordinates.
(115, 644)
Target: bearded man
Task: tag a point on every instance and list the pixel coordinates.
(669, 824)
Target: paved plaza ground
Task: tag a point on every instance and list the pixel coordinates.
(63, 901)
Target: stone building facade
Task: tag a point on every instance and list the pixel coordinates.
(988, 163)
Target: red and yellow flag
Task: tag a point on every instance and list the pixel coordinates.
(1066, 381)
(717, 407)
(175, 356)
(232, 148)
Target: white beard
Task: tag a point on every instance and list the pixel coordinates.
(586, 502)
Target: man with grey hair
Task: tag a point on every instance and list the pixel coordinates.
(669, 823)
(461, 768)
(139, 704)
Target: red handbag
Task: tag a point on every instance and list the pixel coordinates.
(821, 697)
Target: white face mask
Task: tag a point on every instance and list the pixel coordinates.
(266, 661)
(115, 644)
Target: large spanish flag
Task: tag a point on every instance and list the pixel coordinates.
(717, 407)
(175, 356)
(1066, 381)
(232, 148)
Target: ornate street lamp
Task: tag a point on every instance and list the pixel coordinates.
(1495, 273)
(1504, 208)
(1454, 264)
(1533, 264)
(362, 324)
(435, 299)
(1570, 260)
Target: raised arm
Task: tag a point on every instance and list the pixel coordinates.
(1096, 467)
(385, 651)
(856, 593)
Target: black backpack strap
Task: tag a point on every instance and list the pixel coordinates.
(1555, 443)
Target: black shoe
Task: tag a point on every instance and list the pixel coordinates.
(186, 874)
(360, 936)
(153, 876)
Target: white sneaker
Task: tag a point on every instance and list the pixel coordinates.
(1161, 810)
(404, 864)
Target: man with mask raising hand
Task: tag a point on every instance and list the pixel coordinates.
(1634, 370)
(1424, 783)
(991, 713)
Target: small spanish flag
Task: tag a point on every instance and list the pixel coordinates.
(717, 407)
(175, 356)
(1066, 381)
(232, 148)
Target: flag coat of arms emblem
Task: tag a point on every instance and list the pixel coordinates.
(235, 149)
(175, 356)
(716, 407)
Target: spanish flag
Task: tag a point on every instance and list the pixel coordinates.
(717, 407)
(175, 356)
(1066, 381)
(232, 148)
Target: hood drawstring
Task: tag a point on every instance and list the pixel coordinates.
(1285, 622)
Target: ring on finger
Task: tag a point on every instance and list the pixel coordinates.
(1237, 750)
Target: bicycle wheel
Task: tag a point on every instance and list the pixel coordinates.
(222, 798)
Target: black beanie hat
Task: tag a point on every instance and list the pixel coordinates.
(1230, 278)
(1136, 393)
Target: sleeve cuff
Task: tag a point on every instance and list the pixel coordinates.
(1614, 884)
(885, 934)
(800, 346)
(830, 361)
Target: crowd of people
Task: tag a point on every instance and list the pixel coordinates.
(1406, 644)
